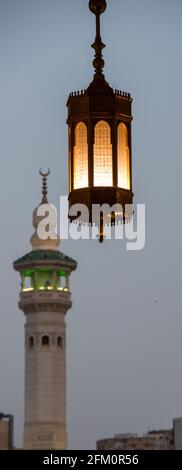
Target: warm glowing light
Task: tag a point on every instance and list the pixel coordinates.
(103, 155)
(123, 158)
(28, 289)
(80, 157)
(60, 288)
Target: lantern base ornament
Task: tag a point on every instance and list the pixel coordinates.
(101, 235)
(106, 198)
(100, 149)
(117, 209)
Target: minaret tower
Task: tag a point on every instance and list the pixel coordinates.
(45, 299)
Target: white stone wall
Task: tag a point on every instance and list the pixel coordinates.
(45, 381)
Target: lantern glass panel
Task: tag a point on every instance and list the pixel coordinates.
(103, 175)
(80, 157)
(123, 158)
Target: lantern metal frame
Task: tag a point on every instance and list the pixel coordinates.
(99, 102)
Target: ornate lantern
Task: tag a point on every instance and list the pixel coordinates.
(99, 121)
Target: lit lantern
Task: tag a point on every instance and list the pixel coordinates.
(99, 121)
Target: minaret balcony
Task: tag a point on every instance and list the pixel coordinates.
(42, 300)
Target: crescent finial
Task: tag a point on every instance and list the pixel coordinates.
(44, 174)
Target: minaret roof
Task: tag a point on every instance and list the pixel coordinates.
(45, 253)
(44, 257)
(36, 242)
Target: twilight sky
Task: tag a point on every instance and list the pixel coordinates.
(124, 348)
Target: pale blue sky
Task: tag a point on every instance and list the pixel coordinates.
(124, 350)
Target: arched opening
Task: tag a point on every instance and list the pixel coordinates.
(80, 160)
(45, 340)
(123, 157)
(31, 342)
(103, 174)
(60, 341)
(27, 282)
(63, 281)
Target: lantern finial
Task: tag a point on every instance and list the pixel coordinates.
(101, 235)
(98, 7)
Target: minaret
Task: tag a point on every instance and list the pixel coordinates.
(45, 299)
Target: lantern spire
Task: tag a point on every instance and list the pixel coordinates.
(44, 185)
(98, 7)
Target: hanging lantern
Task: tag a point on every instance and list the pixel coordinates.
(100, 154)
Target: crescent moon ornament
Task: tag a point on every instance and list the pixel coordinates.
(44, 174)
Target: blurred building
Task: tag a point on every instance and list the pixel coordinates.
(154, 440)
(6, 431)
(177, 426)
